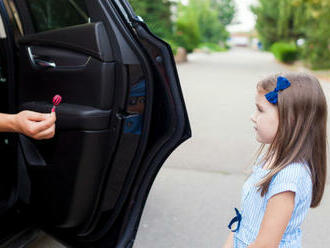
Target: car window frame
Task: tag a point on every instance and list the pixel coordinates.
(77, 10)
(25, 16)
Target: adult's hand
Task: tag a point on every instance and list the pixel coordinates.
(35, 125)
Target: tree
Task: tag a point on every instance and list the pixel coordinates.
(196, 22)
(187, 33)
(157, 15)
(290, 20)
(317, 32)
(277, 20)
(199, 22)
(226, 10)
(267, 14)
(211, 29)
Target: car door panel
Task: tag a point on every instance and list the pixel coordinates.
(73, 116)
(85, 81)
(64, 188)
(65, 171)
(77, 76)
(90, 39)
(63, 59)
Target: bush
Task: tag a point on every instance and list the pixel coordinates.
(212, 47)
(173, 45)
(187, 34)
(285, 52)
(317, 54)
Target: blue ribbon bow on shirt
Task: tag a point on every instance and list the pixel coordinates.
(282, 84)
(238, 219)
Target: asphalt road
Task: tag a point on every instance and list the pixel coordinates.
(194, 195)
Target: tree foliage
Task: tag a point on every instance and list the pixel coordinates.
(226, 10)
(196, 22)
(317, 33)
(277, 20)
(199, 22)
(187, 32)
(290, 20)
(157, 15)
(211, 28)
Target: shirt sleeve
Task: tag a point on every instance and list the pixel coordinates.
(288, 179)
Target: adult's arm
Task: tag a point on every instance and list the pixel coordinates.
(33, 124)
(8, 122)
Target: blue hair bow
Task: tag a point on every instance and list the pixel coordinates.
(282, 84)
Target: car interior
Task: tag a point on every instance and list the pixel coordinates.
(122, 115)
(68, 55)
(7, 152)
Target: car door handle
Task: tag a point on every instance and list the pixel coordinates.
(40, 62)
(44, 63)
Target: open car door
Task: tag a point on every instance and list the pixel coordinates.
(122, 115)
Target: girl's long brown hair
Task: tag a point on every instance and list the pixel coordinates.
(301, 134)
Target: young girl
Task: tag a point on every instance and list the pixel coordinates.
(289, 177)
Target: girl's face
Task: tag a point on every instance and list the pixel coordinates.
(265, 118)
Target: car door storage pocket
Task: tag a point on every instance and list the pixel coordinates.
(64, 186)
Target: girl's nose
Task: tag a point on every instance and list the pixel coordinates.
(252, 118)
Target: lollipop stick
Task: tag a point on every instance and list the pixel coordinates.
(56, 101)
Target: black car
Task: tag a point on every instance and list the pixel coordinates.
(122, 115)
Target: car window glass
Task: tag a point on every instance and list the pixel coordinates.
(14, 18)
(53, 14)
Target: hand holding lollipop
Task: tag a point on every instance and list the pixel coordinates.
(36, 125)
(56, 101)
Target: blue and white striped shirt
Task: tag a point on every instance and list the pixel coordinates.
(294, 177)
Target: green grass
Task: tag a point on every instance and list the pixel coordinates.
(212, 47)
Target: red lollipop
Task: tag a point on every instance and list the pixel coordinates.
(56, 101)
